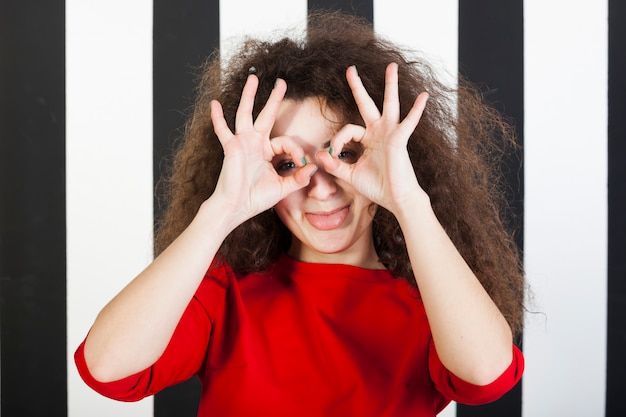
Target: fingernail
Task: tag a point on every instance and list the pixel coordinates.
(276, 82)
(314, 171)
(355, 70)
(303, 161)
(331, 151)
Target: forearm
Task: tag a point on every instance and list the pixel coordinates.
(472, 337)
(132, 331)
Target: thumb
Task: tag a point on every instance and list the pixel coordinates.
(300, 179)
(334, 166)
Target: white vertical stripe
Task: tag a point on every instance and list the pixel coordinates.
(109, 170)
(566, 206)
(425, 26)
(430, 28)
(258, 19)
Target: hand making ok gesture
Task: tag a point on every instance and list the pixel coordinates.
(383, 173)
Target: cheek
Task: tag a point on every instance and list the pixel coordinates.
(366, 207)
(287, 208)
(367, 212)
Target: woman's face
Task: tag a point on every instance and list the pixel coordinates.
(329, 220)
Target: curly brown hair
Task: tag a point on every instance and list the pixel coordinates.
(455, 150)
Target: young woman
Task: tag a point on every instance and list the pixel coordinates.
(333, 244)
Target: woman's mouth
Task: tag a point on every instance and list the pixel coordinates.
(328, 220)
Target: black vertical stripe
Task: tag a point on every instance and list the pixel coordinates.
(616, 337)
(32, 208)
(491, 54)
(185, 33)
(363, 8)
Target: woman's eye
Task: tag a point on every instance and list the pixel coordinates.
(345, 155)
(351, 154)
(285, 168)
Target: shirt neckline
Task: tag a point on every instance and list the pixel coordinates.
(333, 269)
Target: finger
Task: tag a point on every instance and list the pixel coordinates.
(301, 178)
(391, 103)
(303, 175)
(334, 166)
(364, 102)
(220, 127)
(331, 161)
(266, 118)
(348, 133)
(285, 145)
(412, 119)
(243, 119)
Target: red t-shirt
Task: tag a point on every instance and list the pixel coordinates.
(307, 339)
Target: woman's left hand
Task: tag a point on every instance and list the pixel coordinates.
(383, 172)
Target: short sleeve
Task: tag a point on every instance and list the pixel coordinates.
(183, 357)
(121, 390)
(456, 389)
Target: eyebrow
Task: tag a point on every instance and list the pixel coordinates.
(326, 144)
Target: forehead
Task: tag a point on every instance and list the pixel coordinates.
(308, 120)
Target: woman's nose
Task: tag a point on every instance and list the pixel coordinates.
(322, 185)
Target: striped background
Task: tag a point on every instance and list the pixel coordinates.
(93, 93)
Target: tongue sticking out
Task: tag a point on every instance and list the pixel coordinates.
(328, 221)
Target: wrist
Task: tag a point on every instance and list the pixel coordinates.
(412, 205)
(217, 216)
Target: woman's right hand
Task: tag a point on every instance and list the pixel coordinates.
(248, 182)
(124, 338)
